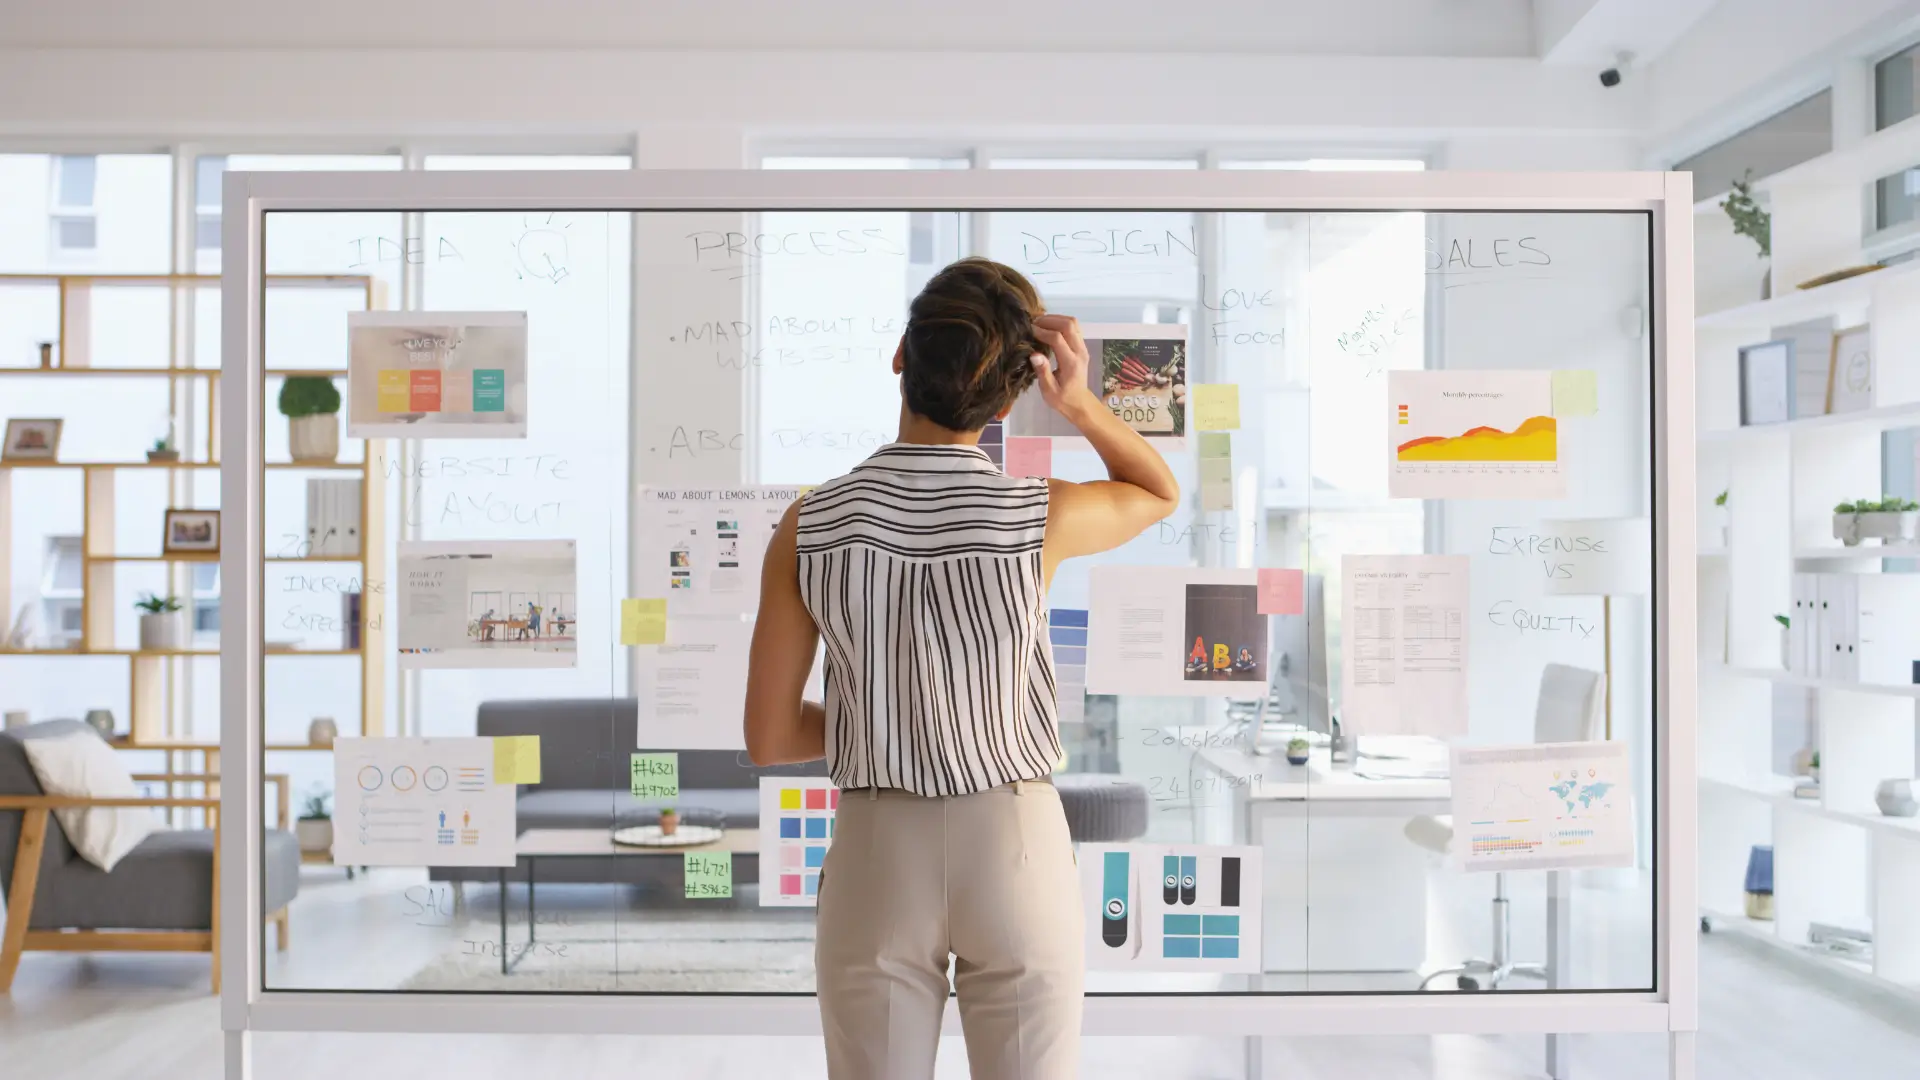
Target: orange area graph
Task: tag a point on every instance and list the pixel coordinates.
(1536, 439)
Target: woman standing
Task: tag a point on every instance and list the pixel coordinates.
(925, 570)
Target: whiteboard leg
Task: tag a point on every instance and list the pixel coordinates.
(1680, 1061)
(1557, 1047)
(1253, 1057)
(1559, 957)
(239, 1055)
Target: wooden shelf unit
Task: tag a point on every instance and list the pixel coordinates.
(153, 721)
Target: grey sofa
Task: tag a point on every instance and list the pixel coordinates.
(585, 746)
(158, 898)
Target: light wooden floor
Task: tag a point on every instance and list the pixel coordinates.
(130, 1017)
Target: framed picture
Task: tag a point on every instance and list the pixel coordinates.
(1850, 371)
(32, 440)
(1766, 383)
(192, 532)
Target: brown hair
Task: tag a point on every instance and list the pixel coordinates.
(969, 343)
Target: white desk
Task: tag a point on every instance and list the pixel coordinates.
(1345, 890)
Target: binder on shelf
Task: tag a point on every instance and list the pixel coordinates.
(1885, 622)
(333, 516)
(1826, 592)
(1803, 649)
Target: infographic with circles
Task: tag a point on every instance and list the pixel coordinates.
(415, 802)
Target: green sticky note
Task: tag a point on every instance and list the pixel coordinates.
(643, 622)
(516, 759)
(1216, 444)
(709, 875)
(1216, 406)
(655, 776)
(1575, 393)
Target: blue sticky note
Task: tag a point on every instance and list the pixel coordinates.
(1219, 925)
(816, 857)
(789, 828)
(1220, 948)
(817, 828)
(1179, 924)
(813, 884)
(1067, 617)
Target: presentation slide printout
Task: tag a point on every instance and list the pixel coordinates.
(692, 689)
(701, 548)
(437, 374)
(1473, 435)
(1182, 631)
(1139, 371)
(488, 604)
(1404, 648)
(1542, 806)
(420, 802)
(1171, 907)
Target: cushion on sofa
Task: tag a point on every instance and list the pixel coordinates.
(164, 884)
(81, 765)
(16, 778)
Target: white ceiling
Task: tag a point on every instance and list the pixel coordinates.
(1461, 28)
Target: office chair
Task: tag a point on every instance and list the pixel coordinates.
(1569, 710)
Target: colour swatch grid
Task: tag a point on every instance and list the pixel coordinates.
(1067, 635)
(799, 824)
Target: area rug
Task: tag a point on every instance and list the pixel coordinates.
(668, 952)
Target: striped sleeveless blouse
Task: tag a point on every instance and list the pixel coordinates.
(922, 569)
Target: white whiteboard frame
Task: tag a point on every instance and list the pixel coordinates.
(1672, 1007)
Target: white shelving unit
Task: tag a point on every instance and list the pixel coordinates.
(1837, 860)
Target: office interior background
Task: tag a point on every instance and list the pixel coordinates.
(118, 122)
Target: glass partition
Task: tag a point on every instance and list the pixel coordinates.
(1370, 712)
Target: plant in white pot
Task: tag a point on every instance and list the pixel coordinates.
(1753, 222)
(1846, 523)
(314, 830)
(1890, 520)
(163, 625)
(311, 404)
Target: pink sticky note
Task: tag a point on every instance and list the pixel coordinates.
(1281, 592)
(1029, 455)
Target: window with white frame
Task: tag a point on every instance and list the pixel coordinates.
(1795, 134)
(71, 221)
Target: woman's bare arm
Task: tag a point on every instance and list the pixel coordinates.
(781, 728)
(1083, 519)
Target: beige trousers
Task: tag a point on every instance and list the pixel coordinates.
(988, 878)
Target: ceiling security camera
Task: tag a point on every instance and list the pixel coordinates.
(1610, 77)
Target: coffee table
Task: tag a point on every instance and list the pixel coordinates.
(537, 844)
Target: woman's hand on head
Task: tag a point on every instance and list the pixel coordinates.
(1064, 387)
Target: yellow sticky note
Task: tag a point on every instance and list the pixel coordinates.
(1575, 393)
(516, 759)
(643, 622)
(709, 875)
(654, 776)
(1216, 407)
(790, 798)
(392, 392)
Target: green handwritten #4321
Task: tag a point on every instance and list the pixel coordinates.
(655, 776)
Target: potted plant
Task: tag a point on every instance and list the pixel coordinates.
(162, 624)
(1297, 751)
(1720, 519)
(669, 821)
(1846, 523)
(1786, 642)
(314, 830)
(1751, 222)
(163, 450)
(311, 404)
(1890, 519)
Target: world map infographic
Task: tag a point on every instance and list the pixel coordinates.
(1548, 806)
